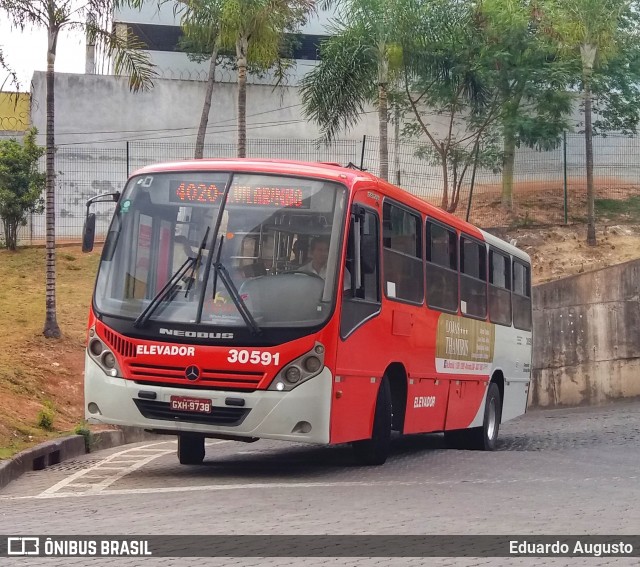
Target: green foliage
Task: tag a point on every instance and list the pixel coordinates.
(200, 22)
(46, 416)
(89, 439)
(602, 35)
(336, 90)
(21, 184)
(615, 81)
(448, 83)
(627, 208)
(262, 23)
(580, 23)
(87, 15)
(530, 78)
(362, 53)
(609, 30)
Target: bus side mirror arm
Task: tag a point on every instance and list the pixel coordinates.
(89, 228)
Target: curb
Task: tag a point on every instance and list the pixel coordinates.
(59, 450)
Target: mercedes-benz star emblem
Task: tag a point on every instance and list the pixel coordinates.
(192, 373)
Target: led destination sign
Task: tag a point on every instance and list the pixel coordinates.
(266, 196)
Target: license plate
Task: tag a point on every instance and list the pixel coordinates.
(195, 405)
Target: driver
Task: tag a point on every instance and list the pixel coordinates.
(319, 255)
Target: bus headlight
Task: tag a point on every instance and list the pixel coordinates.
(109, 360)
(312, 364)
(303, 368)
(96, 347)
(102, 355)
(293, 374)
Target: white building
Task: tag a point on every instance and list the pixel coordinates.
(159, 28)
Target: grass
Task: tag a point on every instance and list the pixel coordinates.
(627, 208)
(89, 440)
(46, 416)
(35, 370)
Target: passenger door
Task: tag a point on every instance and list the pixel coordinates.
(356, 382)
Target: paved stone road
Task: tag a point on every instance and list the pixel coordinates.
(570, 471)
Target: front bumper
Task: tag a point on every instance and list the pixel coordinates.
(271, 415)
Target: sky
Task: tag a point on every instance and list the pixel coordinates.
(26, 52)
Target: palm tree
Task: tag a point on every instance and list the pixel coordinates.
(589, 29)
(255, 29)
(11, 77)
(201, 26)
(129, 59)
(356, 68)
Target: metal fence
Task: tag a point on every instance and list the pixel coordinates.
(549, 187)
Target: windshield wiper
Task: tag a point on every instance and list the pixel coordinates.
(143, 318)
(196, 263)
(221, 271)
(191, 262)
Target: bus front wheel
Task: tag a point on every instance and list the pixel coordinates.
(190, 449)
(481, 438)
(375, 451)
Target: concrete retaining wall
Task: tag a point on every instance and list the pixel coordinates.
(587, 337)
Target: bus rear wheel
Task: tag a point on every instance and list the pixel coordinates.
(485, 437)
(375, 451)
(190, 449)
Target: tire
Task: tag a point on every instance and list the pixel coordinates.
(375, 451)
(485, 437)
(190, 449)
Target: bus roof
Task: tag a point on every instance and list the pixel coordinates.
(327, 171)
(493, 240)
(331, 172)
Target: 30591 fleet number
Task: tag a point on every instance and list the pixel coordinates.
(253, 356)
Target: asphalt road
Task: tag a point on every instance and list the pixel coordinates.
(573, 471)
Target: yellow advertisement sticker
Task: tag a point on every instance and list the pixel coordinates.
(464, 345)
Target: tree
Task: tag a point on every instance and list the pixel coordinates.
(21, 184)
(11, 77)
(448, 89)
(595, 31)
(129, 59)
(256, 29)
(358, 64)
(529, 79)
(201, 27)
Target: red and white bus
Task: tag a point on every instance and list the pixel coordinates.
(247, 299)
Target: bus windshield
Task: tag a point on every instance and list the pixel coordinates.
(172, 256)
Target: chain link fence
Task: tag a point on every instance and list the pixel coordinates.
(549, 187)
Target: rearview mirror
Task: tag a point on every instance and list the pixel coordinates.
(88, 232)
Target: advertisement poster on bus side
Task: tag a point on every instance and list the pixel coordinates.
(464, 346)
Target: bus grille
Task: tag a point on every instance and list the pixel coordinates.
(218, 416)
(120, 345)
(214, 379)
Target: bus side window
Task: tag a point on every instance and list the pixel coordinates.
(402, 254)
(442, 268)
(499, 288)
(521, 296)
(473, 278)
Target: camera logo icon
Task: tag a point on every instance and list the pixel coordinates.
(23, 546)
